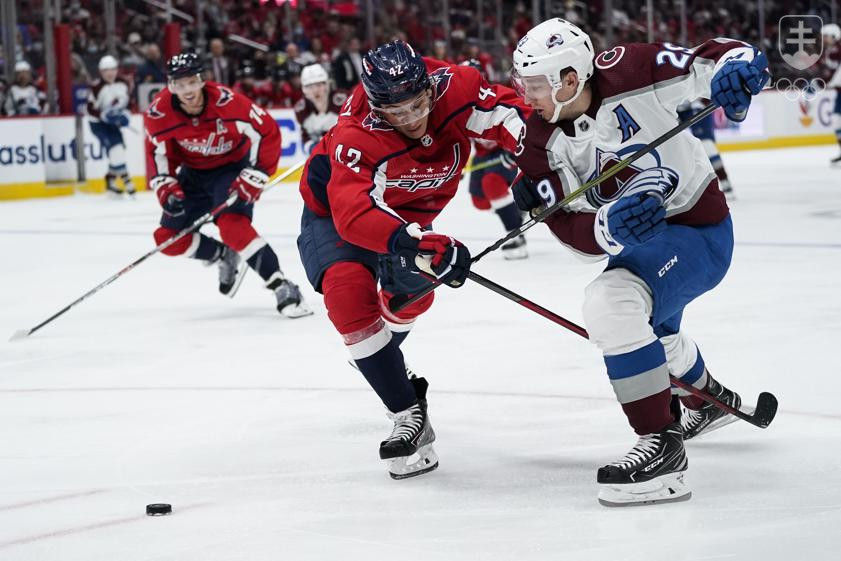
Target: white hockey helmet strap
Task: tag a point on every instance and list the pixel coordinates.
(550, 48)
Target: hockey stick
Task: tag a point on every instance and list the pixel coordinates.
(23, 333)
(397, 304)
(766, 403)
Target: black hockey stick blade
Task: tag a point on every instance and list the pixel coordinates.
(766, 410)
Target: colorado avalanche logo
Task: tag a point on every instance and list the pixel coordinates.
(554, 40)
(441, 78)
(631, 179)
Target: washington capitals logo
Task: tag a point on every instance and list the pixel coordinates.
(373, 123)
(153, 112)
(225, 97)
(441, 78)
(554, 40)
(630, 179)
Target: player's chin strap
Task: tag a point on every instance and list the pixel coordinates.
(559, 105)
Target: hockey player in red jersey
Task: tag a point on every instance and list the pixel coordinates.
(205, 142)
(318, 110)
(372, 188)
(662, 223)
(831, 62)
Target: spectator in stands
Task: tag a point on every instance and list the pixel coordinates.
(23, 98)
(151, 70)
(347, 66)
(218, 65)
(132, 52)
(2, 96)
(439, 51)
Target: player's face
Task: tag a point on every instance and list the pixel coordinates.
(109, 75)
(188, 90)
(536, 91)
(411, 116)
(317, 92)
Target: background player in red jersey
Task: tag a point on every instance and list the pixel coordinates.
(203, 143)
(490, 186)
(372, 187)
(318, 110)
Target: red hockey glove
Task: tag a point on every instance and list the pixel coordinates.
(249, 185)
(169, 194)
(445, 258)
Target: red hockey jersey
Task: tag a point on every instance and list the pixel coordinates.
(372, 179)
(229, 129)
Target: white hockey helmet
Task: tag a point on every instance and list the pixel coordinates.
(22, 66)
(547, 50)
(108, 63)
(831, 30)
(313, 74)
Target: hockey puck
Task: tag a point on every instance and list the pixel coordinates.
(158, 509)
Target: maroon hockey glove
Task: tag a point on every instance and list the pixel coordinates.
(169, 194)
(442, 256)
(249, 185)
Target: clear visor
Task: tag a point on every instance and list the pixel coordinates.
(408, 112)
(532, 87)
(186, 85)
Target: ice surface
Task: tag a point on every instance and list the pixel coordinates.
(253, 427)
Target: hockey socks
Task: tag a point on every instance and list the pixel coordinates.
(510, 216)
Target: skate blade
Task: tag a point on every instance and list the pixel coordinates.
(422, 461)
(295, 311)
(668, 488)
(515, 254)
(238, 281)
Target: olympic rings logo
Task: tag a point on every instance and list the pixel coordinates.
(800, 88)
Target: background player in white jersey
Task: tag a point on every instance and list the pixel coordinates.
(22, 97)
(318, 110)
(832, 75)
(108, 104)
(662, 223)
(704, 130)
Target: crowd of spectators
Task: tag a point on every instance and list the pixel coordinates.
(260, 46)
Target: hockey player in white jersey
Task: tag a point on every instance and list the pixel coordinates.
(108, 111)
(662, 223)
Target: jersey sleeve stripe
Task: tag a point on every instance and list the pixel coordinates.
(255, 137)
(482, 119)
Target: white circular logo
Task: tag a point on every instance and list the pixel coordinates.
(426, 140)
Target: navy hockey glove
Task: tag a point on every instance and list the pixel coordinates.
(629, 221)
(249, 185)
(530, 194)
(443, 257)
(736, 81)
(117, 118)
(169, 194)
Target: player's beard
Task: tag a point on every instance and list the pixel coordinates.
(195, 104)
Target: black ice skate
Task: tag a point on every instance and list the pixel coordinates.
(408, 450)
(111, 186)
(231, 271)
(836, 161)
(515, 249)
(651, 473)
(290, 302)
(696, 422)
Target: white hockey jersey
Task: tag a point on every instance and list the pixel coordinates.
(105, 97)
(636, 89)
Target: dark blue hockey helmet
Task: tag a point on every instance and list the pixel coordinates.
(184, 64)
(392, 73)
